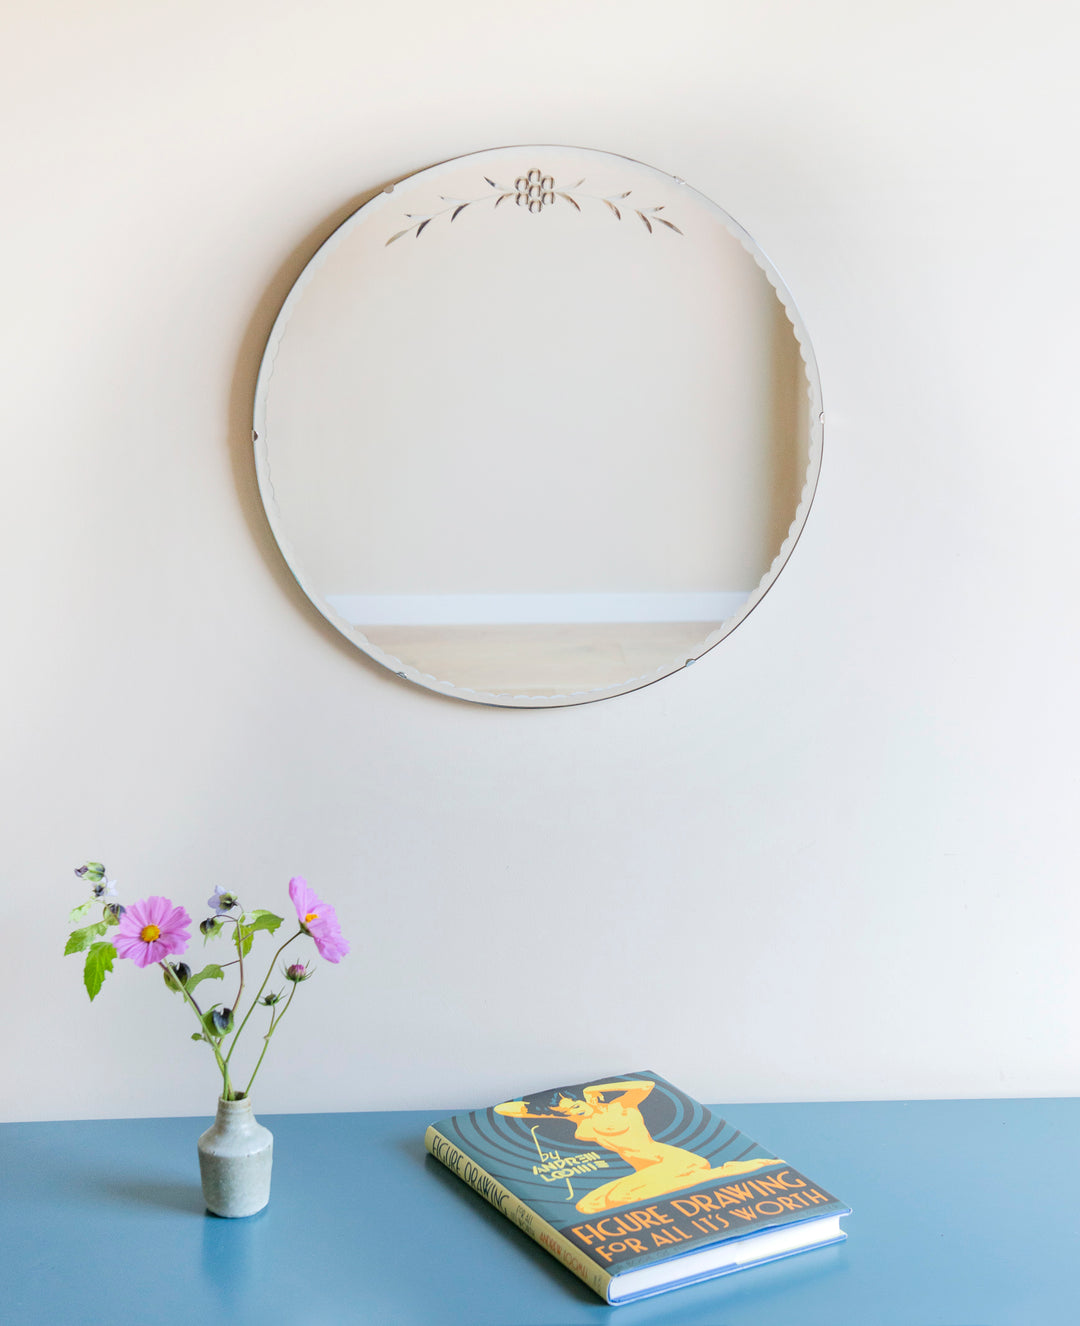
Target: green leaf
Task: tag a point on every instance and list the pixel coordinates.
(77, 913)
(257, 920)
(80, 939)
(211, 972)
(98, 961)
(262, 920)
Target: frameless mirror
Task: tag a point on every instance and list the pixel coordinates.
(537, 426)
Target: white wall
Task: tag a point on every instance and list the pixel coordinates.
(834, 859)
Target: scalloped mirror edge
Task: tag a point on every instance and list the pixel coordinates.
(814, 424)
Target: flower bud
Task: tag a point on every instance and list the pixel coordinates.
(113, 912)
(92, 871)
(178, 972)
(297, 972)
(270, 1000)
(222, 1020)
(210, 926)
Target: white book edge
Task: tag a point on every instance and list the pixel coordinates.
(733, 1255)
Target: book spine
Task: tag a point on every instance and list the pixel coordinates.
(516, 1210)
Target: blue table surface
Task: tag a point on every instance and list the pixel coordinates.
(964, 1214)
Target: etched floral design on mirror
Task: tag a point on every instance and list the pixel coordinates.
(533, 191)
(538, 458)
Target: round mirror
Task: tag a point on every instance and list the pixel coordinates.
(537, 426)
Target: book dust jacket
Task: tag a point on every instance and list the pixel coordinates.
(625, 1172)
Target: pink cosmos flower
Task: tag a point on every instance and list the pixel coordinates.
(319, 920)
(150, 930)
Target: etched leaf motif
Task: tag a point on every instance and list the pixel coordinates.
(533, 191)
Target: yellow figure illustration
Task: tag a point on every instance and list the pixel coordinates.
(617, 1125)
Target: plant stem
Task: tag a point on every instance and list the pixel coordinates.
(258, 993)
(274, 1021)
(240, 960)
(223, 1064)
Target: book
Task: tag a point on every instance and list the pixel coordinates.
(634, 1186)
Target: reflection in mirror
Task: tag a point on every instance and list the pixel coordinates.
(537, 426)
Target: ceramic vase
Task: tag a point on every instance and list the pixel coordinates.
(235, 1155)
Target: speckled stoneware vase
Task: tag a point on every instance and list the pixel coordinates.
(235, 1155)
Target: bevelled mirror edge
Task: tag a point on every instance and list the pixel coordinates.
(811, 430)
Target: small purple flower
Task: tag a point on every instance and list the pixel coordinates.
(106, 888)
(222, 901)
